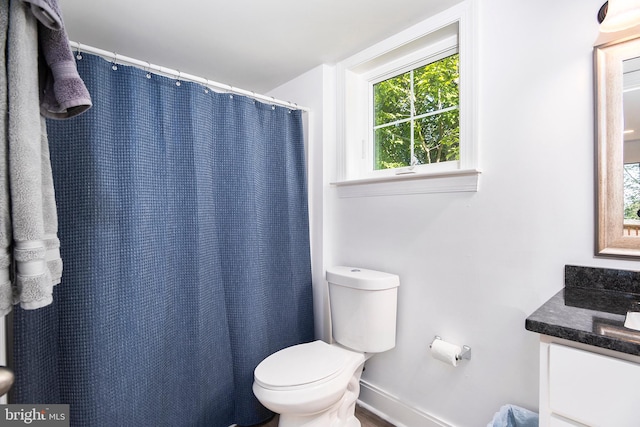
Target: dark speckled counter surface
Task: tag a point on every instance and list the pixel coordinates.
(591, 309)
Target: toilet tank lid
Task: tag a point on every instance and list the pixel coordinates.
(361, 278)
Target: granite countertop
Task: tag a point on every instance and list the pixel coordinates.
(591, 309)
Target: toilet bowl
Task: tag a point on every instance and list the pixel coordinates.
(317, 384)
(312, 384)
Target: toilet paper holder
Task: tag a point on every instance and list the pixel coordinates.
(465, 352)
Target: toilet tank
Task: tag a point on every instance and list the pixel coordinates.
(363, 307)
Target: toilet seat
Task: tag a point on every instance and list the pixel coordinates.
(304, 365)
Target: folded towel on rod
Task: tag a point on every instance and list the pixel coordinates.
(47, 12)
(63, 94)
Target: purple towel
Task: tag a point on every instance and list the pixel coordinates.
(62, 93)
(47, 12)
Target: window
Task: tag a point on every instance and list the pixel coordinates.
(406, 111)
(416, 116)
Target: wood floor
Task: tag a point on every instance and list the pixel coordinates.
(367, 419)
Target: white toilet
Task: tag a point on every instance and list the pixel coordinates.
(317, 384)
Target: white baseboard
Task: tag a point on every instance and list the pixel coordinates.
(390, 408)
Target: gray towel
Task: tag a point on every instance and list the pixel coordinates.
(29, 257)
(63, 93)
(6, 290)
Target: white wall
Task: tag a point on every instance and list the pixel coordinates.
(473, 266)
(632, 151)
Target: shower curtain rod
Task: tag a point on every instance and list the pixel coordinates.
(125, 60)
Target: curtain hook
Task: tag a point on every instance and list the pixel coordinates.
(79, 53)
(114, 65)
(148, 70)
(209, 87)
(178, 83)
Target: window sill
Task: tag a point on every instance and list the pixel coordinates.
(444, 182)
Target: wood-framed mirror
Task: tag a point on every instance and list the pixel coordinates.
(617, 90)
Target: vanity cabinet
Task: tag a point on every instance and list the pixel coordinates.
(589, 361)
(587, 386)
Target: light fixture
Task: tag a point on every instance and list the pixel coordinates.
(617, 15)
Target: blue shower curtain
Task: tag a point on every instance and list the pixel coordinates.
(184, 235)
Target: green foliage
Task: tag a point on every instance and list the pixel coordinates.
(631, 190)
(435, 119)
(631, 210)
(392, 99)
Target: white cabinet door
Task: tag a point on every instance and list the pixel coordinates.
(559, 422)
(593, 389)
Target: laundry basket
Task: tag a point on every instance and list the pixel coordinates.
(514, 416)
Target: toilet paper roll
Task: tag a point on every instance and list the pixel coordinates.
(445, 352)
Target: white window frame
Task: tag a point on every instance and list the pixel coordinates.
(422, 43)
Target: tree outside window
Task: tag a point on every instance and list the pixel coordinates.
(416, 116)
(631, 190)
